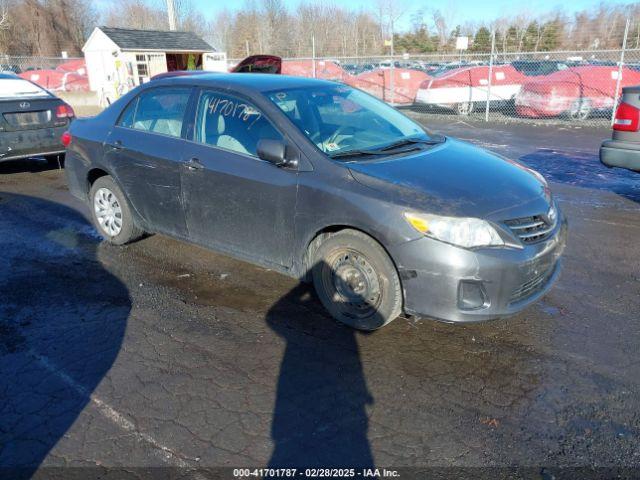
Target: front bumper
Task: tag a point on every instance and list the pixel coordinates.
(31, 143)
(434, 274)
(616, 153)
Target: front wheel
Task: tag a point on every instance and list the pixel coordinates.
(111, 212)
(356, 280)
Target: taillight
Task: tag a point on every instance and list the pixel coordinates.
(627, 118)
(65, 111)
(66, 139)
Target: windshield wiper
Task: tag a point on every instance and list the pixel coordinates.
(387, 149)
(357, 153)
(413, 141)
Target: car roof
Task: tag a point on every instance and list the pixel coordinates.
(260, 82)
(12, 76)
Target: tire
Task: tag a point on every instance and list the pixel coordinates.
(356, 280)
(580, 109)
(464, 108)
(116, 225)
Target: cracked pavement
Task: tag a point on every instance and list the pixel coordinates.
(161, 353)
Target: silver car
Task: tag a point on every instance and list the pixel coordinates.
(623, 150)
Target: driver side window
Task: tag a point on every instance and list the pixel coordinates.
(232, 124)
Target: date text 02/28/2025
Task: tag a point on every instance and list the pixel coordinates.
(315, 473)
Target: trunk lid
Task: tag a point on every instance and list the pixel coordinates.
(29, 114)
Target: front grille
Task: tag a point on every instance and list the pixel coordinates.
(531, 229)
(532, 286)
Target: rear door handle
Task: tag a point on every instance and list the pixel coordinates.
(117, 145)
(194, 164)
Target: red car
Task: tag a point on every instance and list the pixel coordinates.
(577, 92)
(464, 89)
(324, 69)
(378, 83)
(70, 76)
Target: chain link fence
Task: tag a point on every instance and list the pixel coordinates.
(570, 87)
(579, 87)
(56, 74)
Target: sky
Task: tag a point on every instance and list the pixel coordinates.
(462, 10)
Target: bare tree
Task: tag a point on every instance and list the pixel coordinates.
(4, 15)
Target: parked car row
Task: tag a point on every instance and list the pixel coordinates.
(527, 88)
(533, 89)
(577, 92)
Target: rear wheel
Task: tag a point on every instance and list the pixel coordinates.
(465, 108)
(356, 280)
(111, 212)
(580, 109)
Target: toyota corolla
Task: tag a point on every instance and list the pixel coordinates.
(325, 183)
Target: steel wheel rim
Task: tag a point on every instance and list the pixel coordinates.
(580, 109)
(108, 211)
(352, 283)
(465, 108)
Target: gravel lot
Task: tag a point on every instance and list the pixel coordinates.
(161, 354)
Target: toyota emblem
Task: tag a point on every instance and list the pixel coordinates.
(25, 105)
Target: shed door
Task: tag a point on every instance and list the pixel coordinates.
(157, 63)
(148, 65)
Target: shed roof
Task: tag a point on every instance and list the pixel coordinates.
(130, 39)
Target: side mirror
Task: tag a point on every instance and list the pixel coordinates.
(274, 151)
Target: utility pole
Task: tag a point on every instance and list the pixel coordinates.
(619, 79)
(313, 54)
(171, 12)
(490, 79)
(392, 70)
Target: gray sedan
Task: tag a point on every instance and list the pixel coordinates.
(325, 183)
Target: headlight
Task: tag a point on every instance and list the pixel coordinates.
(463, 232)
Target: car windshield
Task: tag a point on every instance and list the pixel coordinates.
(19, 88)
(341, 120)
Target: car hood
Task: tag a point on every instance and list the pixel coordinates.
(458, 179)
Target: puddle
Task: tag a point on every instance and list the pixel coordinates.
(210, 290)
(583, 169)
(11, 340)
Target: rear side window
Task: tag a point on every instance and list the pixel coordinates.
(231, 123)
(127, 117)
(158, 111)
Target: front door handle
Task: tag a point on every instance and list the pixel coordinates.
(194, 164)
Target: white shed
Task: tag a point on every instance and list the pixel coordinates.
(119, 59)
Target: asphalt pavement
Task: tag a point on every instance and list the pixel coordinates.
(161, 354)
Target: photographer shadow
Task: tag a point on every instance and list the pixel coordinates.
(320, 417)
(62, 322)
